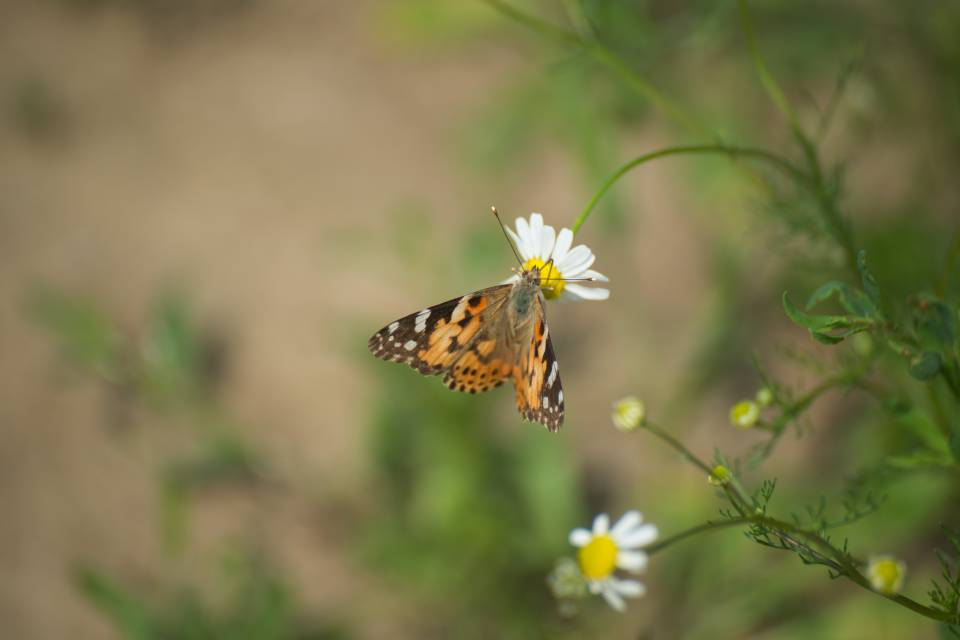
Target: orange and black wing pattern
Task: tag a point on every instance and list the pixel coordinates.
(455, 338)
(537, 378)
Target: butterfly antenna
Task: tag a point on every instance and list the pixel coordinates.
(496, 214)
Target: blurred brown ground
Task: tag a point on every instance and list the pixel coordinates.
(256, 159)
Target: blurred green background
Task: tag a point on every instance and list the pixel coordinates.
(207, 206)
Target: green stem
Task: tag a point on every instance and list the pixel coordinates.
(812, 542)
(702, 528)
(728, 150)
(825, 200)
(607, 58)
(678, 446)
(766, 79)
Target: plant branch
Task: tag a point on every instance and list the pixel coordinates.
(607, 58)
(723, 149)
(789, 533)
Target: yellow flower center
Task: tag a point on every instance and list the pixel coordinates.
(598, 559)
(886, 575)
(551, 282)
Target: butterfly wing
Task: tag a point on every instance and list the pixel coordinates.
(536, 376)
(455, 338)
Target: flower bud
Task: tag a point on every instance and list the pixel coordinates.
(628, 414)
(744, 414)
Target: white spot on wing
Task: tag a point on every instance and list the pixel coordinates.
(553, 374)
(410, 345)
(393, 327)
(421, 321)
(546, 402)
(560, 396)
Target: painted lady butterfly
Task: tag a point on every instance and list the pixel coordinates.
(481, 339)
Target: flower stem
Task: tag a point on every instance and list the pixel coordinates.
(607, 58)
(826, 200)
(710, 525)
(728, 150)
(790, 534)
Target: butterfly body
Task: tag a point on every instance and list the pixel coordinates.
(480, 340)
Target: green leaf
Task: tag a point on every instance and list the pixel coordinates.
(85, 334)
(824, 328)
(925, 366)
(129, 614)
(869, 282)
(937, 320)
(921, 425)
(853, 300)
(922, 459)
(955, 443)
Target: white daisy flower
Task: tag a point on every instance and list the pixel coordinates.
(604, 550)
(537, 243)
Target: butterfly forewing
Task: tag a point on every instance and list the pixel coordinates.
(453, 338)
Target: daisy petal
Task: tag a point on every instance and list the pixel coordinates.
(577, 291)
(637, 538)
(576, 262)
(627, 521)
(536, 235)
(547, 238)
(512, 278)
(517, 242)
(635, 561)
(580, 537)
(629, 588)
(562, 247)
(601, 524)
(523, 231)
(614, 599)
(590, 273)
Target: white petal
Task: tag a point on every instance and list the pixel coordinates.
(523, 232)
(612, 597)
(517, 241)
(636, 538)
(601, 524)
(512, 278)
(577, 261)
(580, 537)
(536, 235)
(562, 247)
(629, 588)
(627, 521)
(580, 292)
(590, 273)
(547, 239)
(594, 586)
(635, 561)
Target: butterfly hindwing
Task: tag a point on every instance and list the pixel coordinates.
(453, 337)
(537, 377)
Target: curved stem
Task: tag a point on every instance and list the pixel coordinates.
(791, 534)
(766, 79)
(702, 528)
(728, 150)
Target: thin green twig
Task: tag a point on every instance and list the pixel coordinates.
(607, 58)
(826, 200)
(728, 150)
(790, 533)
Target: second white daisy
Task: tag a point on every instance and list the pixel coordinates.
(603, 550)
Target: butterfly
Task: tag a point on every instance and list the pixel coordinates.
(480, 340)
